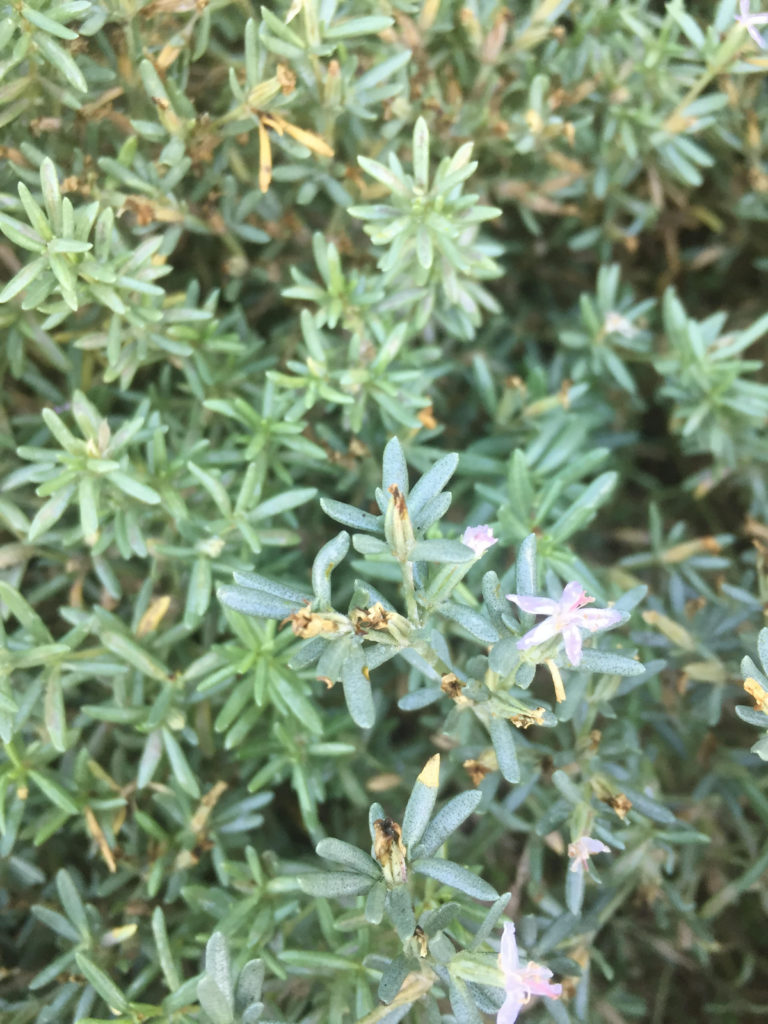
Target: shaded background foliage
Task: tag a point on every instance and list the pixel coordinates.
(216, 309)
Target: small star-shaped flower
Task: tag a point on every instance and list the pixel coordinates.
(521, 983)
(479, 539)
(564, 616)
(582, 849)
(749, 20)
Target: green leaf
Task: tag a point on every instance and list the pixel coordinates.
(55, 792)
(326, 560)
(72, 903)
(456, 876)
(446, 821)
(357, 689)
(609, 663)
(103, 984)
(164, 954)
(440, 551)
(53, 712)
(421, 803)
(134, 488)
(334, 884)
(349, 856)
(350, 516)
(257, 603)
(502, 736)
(358, 27)
(53, 28)
(134, 655)
(179, 764)
(21, 234)
(421, 155)
(24, 277)
(283, 502)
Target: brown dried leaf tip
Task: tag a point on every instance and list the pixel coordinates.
(757, 693)
(306, 623)
(477, 770)
(389, 851)
(400, 506)
(375, 617)
(528, 718)
(451, 685)
(620, 803)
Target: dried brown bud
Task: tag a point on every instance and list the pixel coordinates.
(389, 851)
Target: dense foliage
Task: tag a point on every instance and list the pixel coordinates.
(460, 302)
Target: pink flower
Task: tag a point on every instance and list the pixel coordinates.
(564, 616)
(749, 20)
(521, 983)
(582, 849)
(479, 538)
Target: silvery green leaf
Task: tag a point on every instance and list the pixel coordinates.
(462, 1003)
(350, 516)
(422, 698)
(752, 716)
(458, 877)
(421, 803)
(378, 654)
(749, 668)
(495, 603)
(366, 545)
(253, 1014)
(581, 511)
(394, 469)
(650, 808)
(446, 821)
(357, 690)
(249, 984)
(375, 811)
(217, 964)
(215, 1003)
(572, 793)
(400, 911)
(374, 904)
(762, 647)
(308, 653)
(255, 602)
(394, 975)
(349, 856)
(328, 557)
(334, 884)
(441, 917)
(473, 622)
(525, 567)
(504, 656)
(332, 658)
(432, 483)
(502, 736)
(421, 154)
(490, 919)
(631, 598)
(574, 890)
(609, 663)
(431, 511)
(440, 551)
(761, 748)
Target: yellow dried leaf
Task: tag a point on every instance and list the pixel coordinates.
(757, 693)
(154, 615)
(265, 158)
